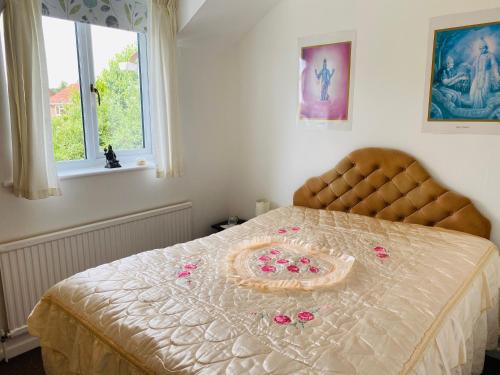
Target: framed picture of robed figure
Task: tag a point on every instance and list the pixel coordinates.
(463, 78)
(326, 79)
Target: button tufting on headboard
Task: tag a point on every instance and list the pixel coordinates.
(391, 185)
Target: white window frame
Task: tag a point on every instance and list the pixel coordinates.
(59, 109)
(94, 156)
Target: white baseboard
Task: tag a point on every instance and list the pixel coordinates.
(19, 345)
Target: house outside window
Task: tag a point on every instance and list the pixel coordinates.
(61, 97)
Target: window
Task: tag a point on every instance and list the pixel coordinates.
(59, 110)
(98, 92)
(64, 89)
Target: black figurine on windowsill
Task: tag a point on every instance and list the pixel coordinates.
(111, 161)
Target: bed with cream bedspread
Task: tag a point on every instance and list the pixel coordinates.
(429, 307)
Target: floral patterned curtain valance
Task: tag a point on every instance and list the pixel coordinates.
(121, 14)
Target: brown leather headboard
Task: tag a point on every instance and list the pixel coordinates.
(391, 185)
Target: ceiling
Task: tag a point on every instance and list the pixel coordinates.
(219, 22)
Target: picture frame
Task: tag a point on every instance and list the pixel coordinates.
(462, 84)
(326, 80)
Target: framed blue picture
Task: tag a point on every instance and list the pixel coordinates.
(463, 78)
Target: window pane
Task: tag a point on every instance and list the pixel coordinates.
(116, 68)
(64, 89)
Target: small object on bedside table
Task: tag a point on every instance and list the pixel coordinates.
(111, 161)
(232, 220)
(262, 206)
(225, 224)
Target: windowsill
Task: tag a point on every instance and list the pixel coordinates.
(94, 170)
(98, 170)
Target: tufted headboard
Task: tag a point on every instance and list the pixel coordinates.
(391, 185)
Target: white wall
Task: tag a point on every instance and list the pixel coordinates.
(275, 156)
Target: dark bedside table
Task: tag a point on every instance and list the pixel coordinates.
(492, 362)
(219, 228)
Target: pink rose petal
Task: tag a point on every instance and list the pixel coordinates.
(282, 319)
(379, 249)
(293, 268)
(183, 274)
(282, 261)
(281, 230)
(295, 229)
(305, 316)
(268, 268)
(190, 266)
(264, 258)
(382, 255)
(313, 269)
(304, 260)
(275, 251)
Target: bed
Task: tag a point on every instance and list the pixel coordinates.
(417, 294)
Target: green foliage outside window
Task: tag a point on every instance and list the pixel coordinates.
(119, 115)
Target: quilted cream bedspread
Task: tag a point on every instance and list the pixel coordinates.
(417, 300)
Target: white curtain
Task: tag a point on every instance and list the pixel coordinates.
(5, 134)
(34, 170)
(165, 127)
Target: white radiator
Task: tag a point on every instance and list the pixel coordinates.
(29, 267)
